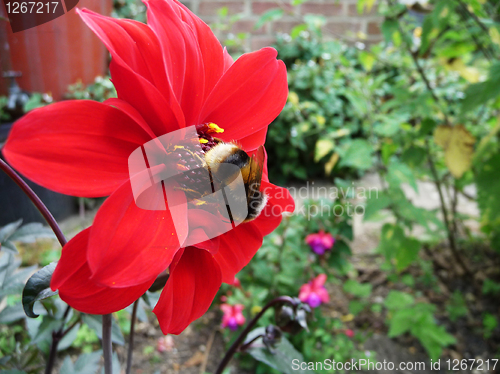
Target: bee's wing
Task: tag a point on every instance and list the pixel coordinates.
(256, 167)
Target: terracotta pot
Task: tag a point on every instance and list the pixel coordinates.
(55, 54)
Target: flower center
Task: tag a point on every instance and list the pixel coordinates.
(206, 134)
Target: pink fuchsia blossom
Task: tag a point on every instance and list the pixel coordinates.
(314, 293)
(165, 344)
(320, 242)
(232, 317)
(349, 333)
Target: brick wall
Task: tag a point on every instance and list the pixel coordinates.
(343, 20)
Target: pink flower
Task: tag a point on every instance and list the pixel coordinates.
(232, 316)
(349, 333)
(314, 293)
(237, 283)
(320, 242)
(165, 344)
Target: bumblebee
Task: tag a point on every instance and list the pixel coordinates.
(250, 168)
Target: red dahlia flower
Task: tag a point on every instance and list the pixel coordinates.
(169, 74)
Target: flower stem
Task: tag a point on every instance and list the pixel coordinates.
(107, 348)
(131, 339)
(234, 347)
(35, 200)
(56, 338)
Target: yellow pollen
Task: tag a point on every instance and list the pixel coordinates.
(203, 141)
(214, 128)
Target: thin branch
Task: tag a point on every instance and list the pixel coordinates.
(234, 347)
(107, 348)
(131, 338)
(35, 200)
(474, 17)
(444, 210)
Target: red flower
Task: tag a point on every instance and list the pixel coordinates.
(232, 317)
(314, 293)
(169, 74)
(320, 242)
(349, 333)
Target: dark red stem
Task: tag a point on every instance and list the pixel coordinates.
(35, 200)
(234, 347)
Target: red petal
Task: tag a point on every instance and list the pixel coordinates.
(249, 95)
(131, 42)
(267, 221)
(278, 196)
(78, 147)
(129, 245)
(191, 288)
(210, 49)
(72, 278)
(130, 111)
(137, 70)
(181, 54)
(228, 60)
(254, 141)
(236, 249)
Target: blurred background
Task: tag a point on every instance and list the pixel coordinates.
(389, 142)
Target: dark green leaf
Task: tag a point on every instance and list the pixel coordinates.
(38, 288)
(283, 357)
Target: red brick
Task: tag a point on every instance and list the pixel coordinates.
(262, 7)
(210, 8)
(284, 26)
(259, 42)
(246, 26)
(341, 27)
(373, 28)
(325, 9)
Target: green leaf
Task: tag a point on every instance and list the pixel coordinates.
(367, 60)
(388, 28)
(323, 148)
(38, 288)
(297, 30)
(269, 16)
(375, 204)
(398, 300)
(394, 245)
(480, 93)
(398, 173)
(488, 185)
(358, 154)
(11, 314)
(427, 28)
(30, 232)
(8, 230)
(400, 322)
(282, 358)
(357, 289)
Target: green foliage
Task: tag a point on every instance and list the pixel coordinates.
(285, 262)
(281, 356)
(456, 307)
(416, 318)
(102, 89)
